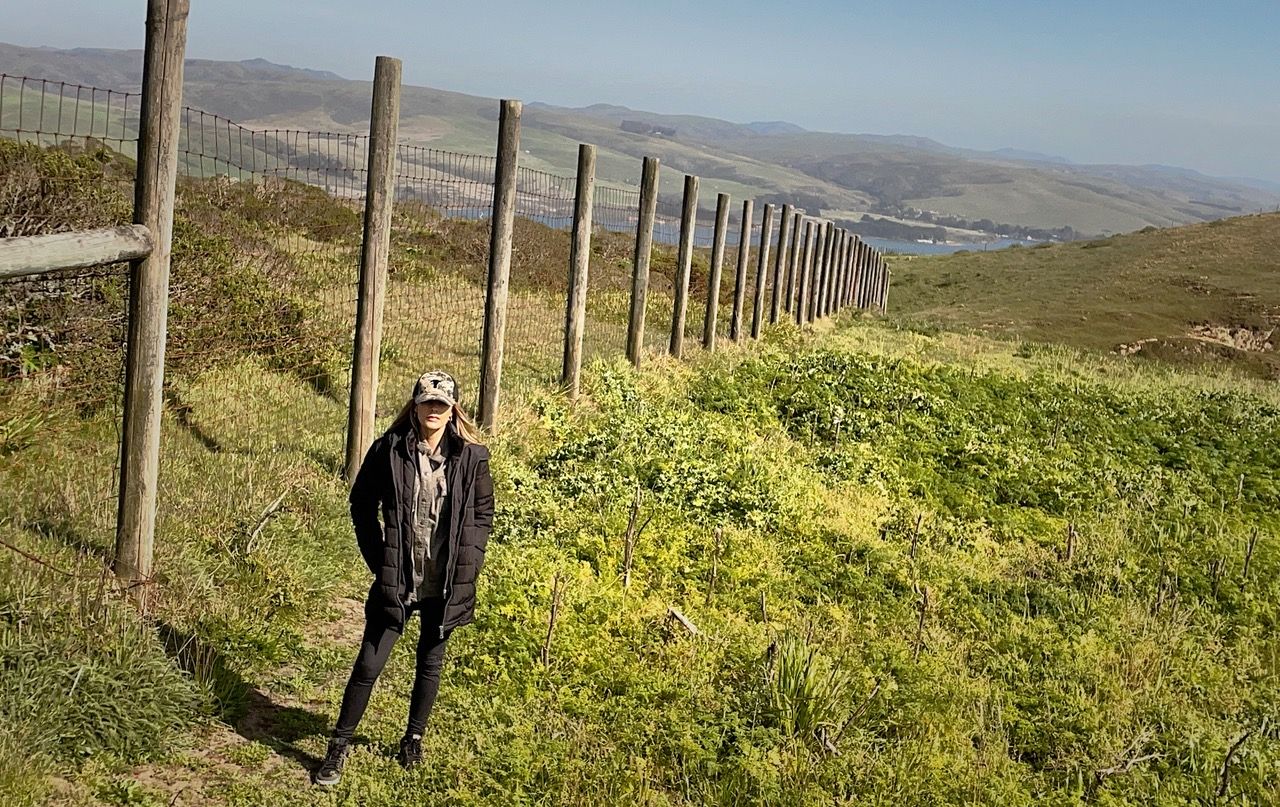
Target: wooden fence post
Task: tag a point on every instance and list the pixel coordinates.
(779, 262)
(842, 298)
(684, 265)
(640, 261)
(819, 267)
(853, 270)
(864, 278)
(762, 264)
(805, 270)
(502, 225)
(384, 120)
(884, 288)
(844, 270)
(832, 268)
(814, 285)
(833, 283)
(793, 263)
(153, 201)
(873, 282)
(879, 281)
(575, 314)
(864, 266)
(828, 261)
(740, 278)
(842, 257)
(717, 264)
(824, 265)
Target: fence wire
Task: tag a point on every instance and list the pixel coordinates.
(63, 167)
(615, 214)
(65, 164)
(267, 241)
(434, 309)
(265, 267)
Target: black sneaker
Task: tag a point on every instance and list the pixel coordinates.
(410, 753)
(330, 771)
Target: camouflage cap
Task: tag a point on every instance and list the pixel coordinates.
(436, 385)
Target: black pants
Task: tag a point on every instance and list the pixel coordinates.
(380, 636)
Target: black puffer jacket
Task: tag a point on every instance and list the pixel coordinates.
(385, 483)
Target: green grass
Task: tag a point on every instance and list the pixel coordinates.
(1030, 675)
(866, 521)
(1155, 287)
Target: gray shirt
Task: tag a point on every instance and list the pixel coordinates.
(430, 490)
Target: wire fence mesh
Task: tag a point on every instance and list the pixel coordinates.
(63, 166)
(614, 219)
(66, 156)
(267, 243)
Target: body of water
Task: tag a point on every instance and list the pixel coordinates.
(913, 248)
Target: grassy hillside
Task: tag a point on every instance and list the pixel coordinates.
(1203, 293)
(922, 569)
(846, 172)
(894, 614)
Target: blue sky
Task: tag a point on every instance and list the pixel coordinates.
(1195, 84)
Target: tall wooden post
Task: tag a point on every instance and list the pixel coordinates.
(502, 224)
(384, 120)
(805, 270)
(779, 263)
(793, 263)
(821, 271)
(575, 314)
(882, 286)
(832, 265)
(762, 264)
(688, 224)
(819, 263)
(837, 287)
(837, 282)
(717, 263)
(863, 267)
(854, 254)
(880, 278)
(640, 261)
(873, 279)
(154, 193)
(740, 277)
(832, 272)
(863, 273)
(884, 297)
(850, 252)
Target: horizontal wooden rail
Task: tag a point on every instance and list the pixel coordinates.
(40, 254)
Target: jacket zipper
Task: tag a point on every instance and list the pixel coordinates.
(453, 556)
(396, 487)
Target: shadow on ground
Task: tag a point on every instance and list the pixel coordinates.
(248, 710)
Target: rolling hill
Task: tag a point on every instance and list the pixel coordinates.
(1204, 293)
(839, 174)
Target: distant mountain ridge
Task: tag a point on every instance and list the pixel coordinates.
(841, 175)
(122, 69)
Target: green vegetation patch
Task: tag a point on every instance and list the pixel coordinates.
(1206, 294)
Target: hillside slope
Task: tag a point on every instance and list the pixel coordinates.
(833, 172)
(1202, 293)
(920, 571)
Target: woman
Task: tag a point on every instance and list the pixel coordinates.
(429, 476)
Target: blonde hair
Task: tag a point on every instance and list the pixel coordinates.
(467, 430)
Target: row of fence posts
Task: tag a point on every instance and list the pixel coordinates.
(818, 268)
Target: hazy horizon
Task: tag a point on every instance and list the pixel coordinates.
(1169, 84)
